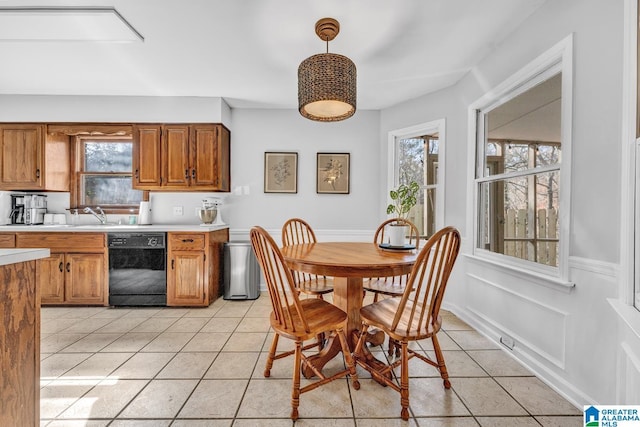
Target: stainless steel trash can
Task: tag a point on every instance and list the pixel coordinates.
(241, 271)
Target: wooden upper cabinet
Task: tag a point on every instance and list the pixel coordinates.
(175, 156)
(32, 160)
(210, 156)
(180, 156)
(22, 156)
(146, 156)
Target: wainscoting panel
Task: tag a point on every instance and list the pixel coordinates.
(629, 386)
(531, 325)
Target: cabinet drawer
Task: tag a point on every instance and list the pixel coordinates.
(62, 242)
(7, 240)
(186, 242)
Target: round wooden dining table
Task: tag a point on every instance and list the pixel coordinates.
(348, 263)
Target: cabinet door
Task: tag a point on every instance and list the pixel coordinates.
(185, 278)
(146, 156)
(223, 159)
(210, 157)
(21, 154)
(175, 155)
(203, 153)
(85, 279)
(50, 279)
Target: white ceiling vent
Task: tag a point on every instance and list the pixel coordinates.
(87, 24)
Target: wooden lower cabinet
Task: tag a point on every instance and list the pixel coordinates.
(186, 278)
(51, 279)
(85, 279)
(194, 267)
(70, 276)
(76, 272)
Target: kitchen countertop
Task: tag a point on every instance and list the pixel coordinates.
(13, 256)
(111, 228)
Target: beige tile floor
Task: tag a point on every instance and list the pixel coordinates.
(148, 367)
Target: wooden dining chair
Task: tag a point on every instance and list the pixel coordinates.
(416, 315)
(391, 286)
(297, 231)
(298, 319)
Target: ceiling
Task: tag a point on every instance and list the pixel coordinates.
(248, 52)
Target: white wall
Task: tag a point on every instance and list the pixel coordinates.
(568, 338)
(257, 131)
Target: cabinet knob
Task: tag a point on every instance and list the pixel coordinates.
(37, 173)
(68, 267)
(187, 240)
(137, 175)
(60, 267)
(186, 174)
(173, 264)
(193, 173)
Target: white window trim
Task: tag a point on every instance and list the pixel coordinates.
(393, 174)
(558, 58)
(629, 224)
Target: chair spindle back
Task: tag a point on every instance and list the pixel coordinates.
(294, 232)
(414, 239)
(422, 298)
(280, 284)
(414, 235)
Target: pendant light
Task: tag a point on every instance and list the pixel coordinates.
(327, 81)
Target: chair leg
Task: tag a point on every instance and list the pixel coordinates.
(348, 359)
(404, 381)
(363, 332)
(393, 346)
(441, 365)
(295, 391)
(272, 354)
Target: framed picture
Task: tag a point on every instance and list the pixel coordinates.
(280, 172)
(332, 174)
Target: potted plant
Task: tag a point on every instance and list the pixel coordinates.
(404, 198)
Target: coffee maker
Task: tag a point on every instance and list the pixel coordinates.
(28, 209)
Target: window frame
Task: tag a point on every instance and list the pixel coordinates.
(78, 166)
(393, 168)
(558, 59)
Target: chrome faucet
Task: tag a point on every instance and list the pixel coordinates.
(102, 217)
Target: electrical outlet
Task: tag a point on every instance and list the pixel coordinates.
(197, 211)
(507, 341)
(177, 210)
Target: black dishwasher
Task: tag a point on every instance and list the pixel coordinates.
(137, 269)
